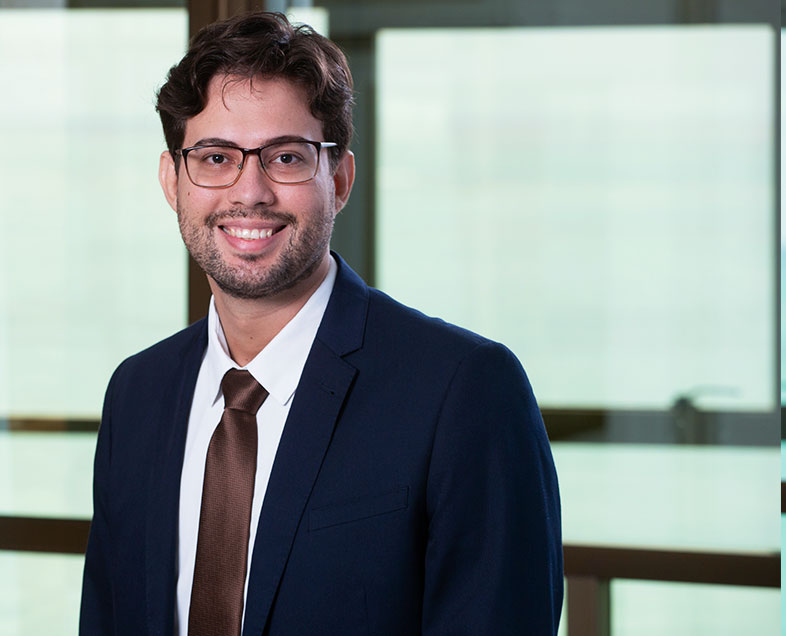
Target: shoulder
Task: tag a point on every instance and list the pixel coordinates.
(406, 329)
(158, 362)
(379, 334)
(432, 361)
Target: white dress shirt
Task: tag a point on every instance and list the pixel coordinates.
(277, 368)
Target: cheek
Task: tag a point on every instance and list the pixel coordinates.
(320, 195)
(196, 202)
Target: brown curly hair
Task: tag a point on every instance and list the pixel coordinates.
(260, 44)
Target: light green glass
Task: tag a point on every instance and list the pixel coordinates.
(601, 200)
(645, 608)
(39, 593)
(92, 268)
(46, 474)
(719, 498)
(703, 498)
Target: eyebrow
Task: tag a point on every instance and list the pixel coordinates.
(218, 141)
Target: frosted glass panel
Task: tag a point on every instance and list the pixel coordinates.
(643, 608)
(716, 498)
(599, 199)
(704, 498)
(46, 474)
(91, 265)
(39, 593)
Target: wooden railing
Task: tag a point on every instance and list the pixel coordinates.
(589, 570)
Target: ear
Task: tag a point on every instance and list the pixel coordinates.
(167, 177)
(343, 178)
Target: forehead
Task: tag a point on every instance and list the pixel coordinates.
(250, 112)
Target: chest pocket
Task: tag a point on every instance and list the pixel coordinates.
(358, 508)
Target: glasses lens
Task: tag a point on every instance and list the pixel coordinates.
(290, 162)
(213, 165)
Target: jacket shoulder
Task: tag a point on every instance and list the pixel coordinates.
(404, 343)
(395, 322)
(166, 356)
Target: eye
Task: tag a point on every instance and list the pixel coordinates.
(286, 158)
(215, 156)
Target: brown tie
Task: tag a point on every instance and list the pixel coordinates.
(222, 545)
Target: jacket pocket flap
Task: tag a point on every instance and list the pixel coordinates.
(360, 508)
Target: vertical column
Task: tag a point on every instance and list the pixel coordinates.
(589, 603)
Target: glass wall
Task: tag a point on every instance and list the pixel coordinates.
(92, 268)
(599, 199)
(90, 255)
(602, 201)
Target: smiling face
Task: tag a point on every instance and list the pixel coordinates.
(256, 238)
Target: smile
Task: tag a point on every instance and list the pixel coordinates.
(249, 234)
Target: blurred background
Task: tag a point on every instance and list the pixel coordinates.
(594, 183)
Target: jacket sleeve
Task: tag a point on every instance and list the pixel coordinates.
(97, 616)
(493, 561)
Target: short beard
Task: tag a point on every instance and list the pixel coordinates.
(298, 259)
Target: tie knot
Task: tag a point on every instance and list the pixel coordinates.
(242, 392)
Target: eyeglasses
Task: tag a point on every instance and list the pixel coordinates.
(283, 162)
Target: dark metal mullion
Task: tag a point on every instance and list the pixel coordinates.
(578, 425)
(588, 606)
(748, 568)
(34, 534)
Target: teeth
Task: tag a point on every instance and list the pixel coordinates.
(249, 235)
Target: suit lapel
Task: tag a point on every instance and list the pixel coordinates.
(163, 509)
(324, 385)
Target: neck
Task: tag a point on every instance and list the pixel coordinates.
(250, 324)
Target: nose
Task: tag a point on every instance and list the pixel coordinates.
(253, 187)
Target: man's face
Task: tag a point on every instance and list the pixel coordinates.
(298, 217)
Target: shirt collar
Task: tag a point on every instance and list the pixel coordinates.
(279, 365)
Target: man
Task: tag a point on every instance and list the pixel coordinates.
(313, 458)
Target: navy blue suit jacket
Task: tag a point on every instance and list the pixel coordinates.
(413, 491)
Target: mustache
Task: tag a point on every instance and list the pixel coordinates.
(214, 219)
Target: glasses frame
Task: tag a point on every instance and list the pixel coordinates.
(318, 145)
